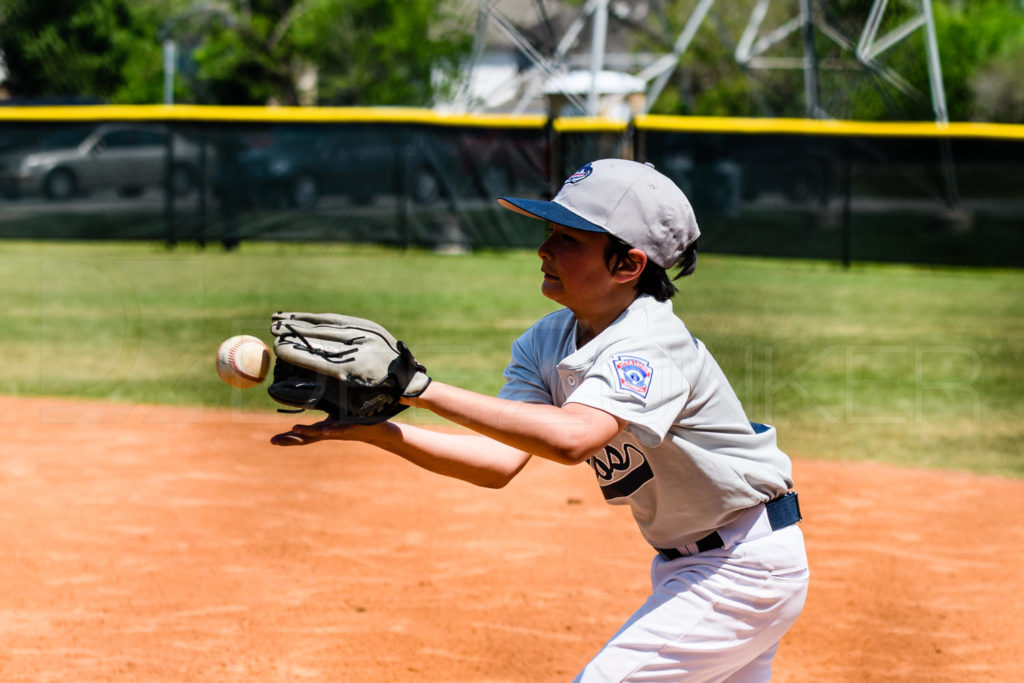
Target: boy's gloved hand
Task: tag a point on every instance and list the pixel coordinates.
(351, 368)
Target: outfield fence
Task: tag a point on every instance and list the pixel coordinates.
(840, 190)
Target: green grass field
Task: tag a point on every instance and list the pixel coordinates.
(909, 365)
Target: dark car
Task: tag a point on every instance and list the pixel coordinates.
(506, 161)
(295, 166)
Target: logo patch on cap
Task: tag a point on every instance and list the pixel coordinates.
(633, 374)
(579, 175)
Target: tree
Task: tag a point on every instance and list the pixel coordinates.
(72, 49)
(385, 51)
(365, 52)
(981, 40)
(362, 52)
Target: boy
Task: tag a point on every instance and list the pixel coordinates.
(616, 380)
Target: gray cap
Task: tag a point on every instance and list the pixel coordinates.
(630, 200)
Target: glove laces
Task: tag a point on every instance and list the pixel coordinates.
(336, 357)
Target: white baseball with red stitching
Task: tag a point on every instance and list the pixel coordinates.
(243, 361)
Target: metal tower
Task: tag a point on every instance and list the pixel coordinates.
(758, 47)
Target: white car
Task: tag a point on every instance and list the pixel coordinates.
(75, 161)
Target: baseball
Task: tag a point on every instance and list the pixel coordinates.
(243, 361)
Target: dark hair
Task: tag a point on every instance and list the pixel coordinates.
(654, 279)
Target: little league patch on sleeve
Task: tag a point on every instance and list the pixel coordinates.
(633, 374)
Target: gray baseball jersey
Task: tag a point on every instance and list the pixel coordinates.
(689, 461)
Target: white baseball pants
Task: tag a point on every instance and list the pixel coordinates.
(716, 616)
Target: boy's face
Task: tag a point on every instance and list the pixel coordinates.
(575, 267)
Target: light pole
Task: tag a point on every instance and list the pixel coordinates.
(170, 59)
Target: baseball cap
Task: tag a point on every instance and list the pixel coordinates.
(630, 200)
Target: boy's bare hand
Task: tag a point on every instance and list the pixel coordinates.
(300, 435)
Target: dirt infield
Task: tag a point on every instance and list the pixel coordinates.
(157, 544)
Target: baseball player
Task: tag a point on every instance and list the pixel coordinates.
(614, 379)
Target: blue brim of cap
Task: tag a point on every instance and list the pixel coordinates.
(549, 211)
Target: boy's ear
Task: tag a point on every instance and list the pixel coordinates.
(630, 268)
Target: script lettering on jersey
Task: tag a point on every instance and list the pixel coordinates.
(620, 473)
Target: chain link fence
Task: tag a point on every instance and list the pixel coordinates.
(810, 189)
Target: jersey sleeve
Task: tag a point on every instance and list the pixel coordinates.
(524, 381)
(639, 383)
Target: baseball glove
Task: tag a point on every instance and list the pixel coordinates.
(350, 368)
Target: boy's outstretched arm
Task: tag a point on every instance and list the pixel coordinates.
(508, 433)
(470, 457)
(568, 434)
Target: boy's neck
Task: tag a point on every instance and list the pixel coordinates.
(591, 323)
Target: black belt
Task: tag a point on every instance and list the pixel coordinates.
(782, 512)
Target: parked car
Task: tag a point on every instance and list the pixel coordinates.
(506, 161)
(293, 166)
(74, 161)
